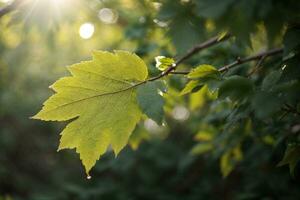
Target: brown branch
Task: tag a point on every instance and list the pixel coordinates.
(164, 73)
(290, 109)
(258, 56)
(9, 8)
(204, 45)
(191, 52)
(240, 61)
(257, 66)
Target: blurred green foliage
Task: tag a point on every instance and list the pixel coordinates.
(202, 139)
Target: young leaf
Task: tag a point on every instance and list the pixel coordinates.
(150, 101)
(162, 62)
(101, 100)
(204, 71)
(205, 74)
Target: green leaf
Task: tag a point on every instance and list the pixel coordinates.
(191, 86)
(265, 104)
(212, 8)
(100, 99)
(204, 71)
(202, 148)
(204, 135)
(270, 80)
(291, 157)
(291, 41)
(222, 35)
(150, 101)
(198, 99)
(185, 32)
(213, 85)
(236, 88)
(162, 62)
(229, 159)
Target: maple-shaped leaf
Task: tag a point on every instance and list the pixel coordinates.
(100, 97)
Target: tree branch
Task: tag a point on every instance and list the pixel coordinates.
(9, 8)
(258, 56)
(257, 66)
(290, 109)
(204, 45)
(191, 52)
(240, 61)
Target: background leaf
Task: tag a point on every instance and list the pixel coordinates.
(236, 87)
(150, 101)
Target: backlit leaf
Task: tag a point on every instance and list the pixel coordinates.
(229, 159)
(202, 148)
(191, 86)
(204, 71)
(162, 62)
(100, 99)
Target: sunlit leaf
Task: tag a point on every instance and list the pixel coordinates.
(162, 62)
(202, 148)
(101, 100)
(191, 86)
(229, 159)
(204, 136)
(204, 71)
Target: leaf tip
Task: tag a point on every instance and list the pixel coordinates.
(36, 116)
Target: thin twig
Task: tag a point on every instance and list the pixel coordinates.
(191, 52)
(251, 58)
(9, 8)
(240, 61)
(283, 115)
(164, 73)
(257, 66)
(204, 45)
(290, 109)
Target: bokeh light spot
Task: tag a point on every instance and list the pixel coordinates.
(180, 113)
(86, 30)
(108, 16)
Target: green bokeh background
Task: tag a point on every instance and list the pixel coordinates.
(42, 37)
